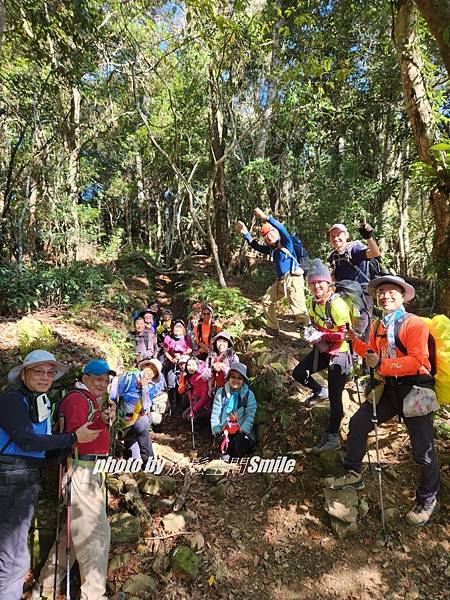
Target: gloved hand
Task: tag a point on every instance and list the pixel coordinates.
(312, 335)
(366, 231)
(372, 359)
(241, 227)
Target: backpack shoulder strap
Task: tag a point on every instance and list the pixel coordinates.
(348, 257)
(398, 323)
(91, 408)
(128, 382)
(243, 401)
(397, 326)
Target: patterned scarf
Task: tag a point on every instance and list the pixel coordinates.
(389, 320)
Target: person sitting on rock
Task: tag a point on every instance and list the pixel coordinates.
(398, 352)
(165, 325)
(153, 308)
(194, 318)
(204, 332)
(218, 361)
(134, 402)
(144, 339)
(157, 389)
(196, 393)
(233, 414)
(330, 315)
(175, 345)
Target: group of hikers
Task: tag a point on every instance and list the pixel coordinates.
(192, 369)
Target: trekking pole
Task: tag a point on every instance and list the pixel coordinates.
(192, 424)
(68, 522)
(375, 426)
(58, 514)
(358, 391)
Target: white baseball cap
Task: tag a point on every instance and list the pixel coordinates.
(339, 226)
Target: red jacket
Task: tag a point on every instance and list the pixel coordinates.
(75, 409)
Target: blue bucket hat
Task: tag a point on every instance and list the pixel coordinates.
(98, 367)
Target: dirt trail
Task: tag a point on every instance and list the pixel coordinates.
(267, 536)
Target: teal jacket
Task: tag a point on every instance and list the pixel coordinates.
(245, 411)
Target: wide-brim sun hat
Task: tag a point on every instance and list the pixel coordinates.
(34, 358)
(184, 358)
(239, 368)
(154, 362)
(408, 289)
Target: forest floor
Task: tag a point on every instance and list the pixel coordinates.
(263, 536)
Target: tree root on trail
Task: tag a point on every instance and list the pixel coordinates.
(127, 487)
(181, 500)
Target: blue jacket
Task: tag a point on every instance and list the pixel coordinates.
(19, 435)
(283, 262)
(245, 414)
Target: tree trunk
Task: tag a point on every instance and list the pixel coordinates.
(437, 15)
(144, 224)
(420, 114)
(221, 217)
(2, 21)
(74, 147)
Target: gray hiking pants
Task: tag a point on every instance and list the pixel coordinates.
(19, 490)
(421, 435)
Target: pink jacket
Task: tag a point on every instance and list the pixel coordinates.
(197, 391)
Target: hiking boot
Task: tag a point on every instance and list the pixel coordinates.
(272, 332)
(421, 513)
(350, 479)
(328, 443)
(315, 398)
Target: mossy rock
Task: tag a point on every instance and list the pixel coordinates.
(330, 464)
(125, 528)
(184, 560)
(321, 416)
(140, 584)
(156, 485)
(118, 561)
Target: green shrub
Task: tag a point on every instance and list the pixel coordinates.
(40, 285)
(34, 335)
(227, 302)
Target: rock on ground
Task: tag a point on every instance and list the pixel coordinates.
(184, 560)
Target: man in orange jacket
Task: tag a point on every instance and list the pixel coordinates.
(398, 351)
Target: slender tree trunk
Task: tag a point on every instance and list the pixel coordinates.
(74, 147)
(221, 216)
(142, 200)
(2, 21)
(420, 114)
(437, 15)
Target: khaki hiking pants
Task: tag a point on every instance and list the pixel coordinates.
(90, 539)
(293, 288)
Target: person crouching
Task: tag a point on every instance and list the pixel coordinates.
(233, 414)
